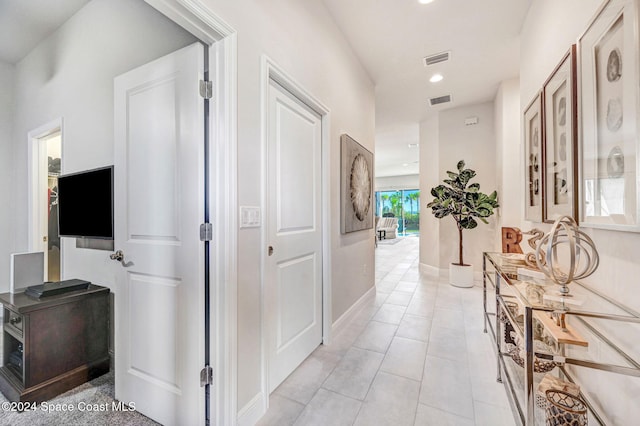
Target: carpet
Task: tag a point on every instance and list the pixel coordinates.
(93, 404)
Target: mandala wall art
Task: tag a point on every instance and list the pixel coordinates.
(356, 186)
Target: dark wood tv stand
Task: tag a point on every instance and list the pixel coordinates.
(53, 344)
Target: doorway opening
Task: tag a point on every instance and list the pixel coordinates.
(45, 168)
(53, 146)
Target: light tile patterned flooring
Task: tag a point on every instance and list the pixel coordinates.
(416, 355)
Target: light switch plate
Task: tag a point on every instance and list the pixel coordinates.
(250, 217)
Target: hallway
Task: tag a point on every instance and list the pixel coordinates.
(415, 356)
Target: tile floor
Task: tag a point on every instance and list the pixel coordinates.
(416, 355)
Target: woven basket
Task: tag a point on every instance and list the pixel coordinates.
(539, 365)
(550, 382)
(511, 306)
(564, 409)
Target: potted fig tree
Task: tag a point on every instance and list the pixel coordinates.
(464, 202)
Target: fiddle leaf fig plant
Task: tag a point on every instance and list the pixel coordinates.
(462, 201)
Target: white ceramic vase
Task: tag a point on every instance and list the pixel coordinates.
(461, 276)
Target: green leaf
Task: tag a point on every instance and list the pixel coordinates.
(440, 213)
(474, 187)
(438, 191)
(483, 212)
(460, 165)
(468, 223)
(465, 176)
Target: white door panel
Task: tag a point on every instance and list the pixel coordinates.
(159, 187)
(153, 180)
(294, 271)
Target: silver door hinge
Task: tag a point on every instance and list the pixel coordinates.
(206, 376)
(206, 89)
(206, 232)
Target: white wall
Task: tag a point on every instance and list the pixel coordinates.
(429, 178)
(549, 30)
(508, 150)
(7, 72)
(70, 75)
(476, 145)
(302, 38)
(394, 183)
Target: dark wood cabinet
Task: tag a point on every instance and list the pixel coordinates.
(53, 344)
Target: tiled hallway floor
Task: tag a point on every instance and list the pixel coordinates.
(416, 355)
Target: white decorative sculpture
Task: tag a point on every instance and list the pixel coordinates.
(583, 256)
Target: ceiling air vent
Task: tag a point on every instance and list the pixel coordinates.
(437, 58)
(440, 100)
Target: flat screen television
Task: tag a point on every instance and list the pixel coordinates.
(85, 204)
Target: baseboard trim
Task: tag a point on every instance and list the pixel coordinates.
(253, 411)
(432, 271)
(346, 318)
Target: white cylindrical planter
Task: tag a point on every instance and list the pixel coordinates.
(461, 276)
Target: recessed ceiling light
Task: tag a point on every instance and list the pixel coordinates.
(436, 78)
(405, 164)
(424, 1)
(413, 145)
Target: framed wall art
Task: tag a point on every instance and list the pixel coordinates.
(534, 160)
(356, 182)
(560, 140)
(608, 71)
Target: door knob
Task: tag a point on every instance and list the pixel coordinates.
(270, 251)
(119, 256)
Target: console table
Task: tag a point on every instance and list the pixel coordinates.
(53, 344)
(535, 296)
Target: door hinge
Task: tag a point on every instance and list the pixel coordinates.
(206, 376)
(206, 89)
(206, 232)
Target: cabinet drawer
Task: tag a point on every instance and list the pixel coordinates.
(14, 322)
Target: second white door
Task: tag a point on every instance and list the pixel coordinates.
(293, 297)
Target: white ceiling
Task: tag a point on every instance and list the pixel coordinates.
(24, 23)
(391, 37)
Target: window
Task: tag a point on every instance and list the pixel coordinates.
(403, 204)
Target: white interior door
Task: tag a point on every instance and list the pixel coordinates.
(294, 231)
(159, 190)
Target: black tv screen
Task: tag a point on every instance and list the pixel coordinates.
(85, 204)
